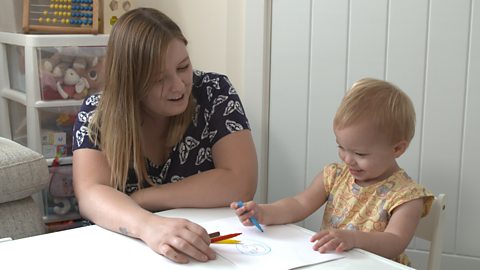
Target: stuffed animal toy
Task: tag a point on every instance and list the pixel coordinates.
(73, 85)
(95, 75)
(52, 69)
(48, 64)
(61, 189)
(71, 72)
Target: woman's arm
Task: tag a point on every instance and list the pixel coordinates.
(234, 178)
(389, 244)
(115, 211)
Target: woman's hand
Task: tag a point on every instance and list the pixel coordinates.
(249, 209)
(337, 240)
(177, 238)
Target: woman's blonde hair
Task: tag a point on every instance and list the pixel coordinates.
(390, 109)
(135, 56)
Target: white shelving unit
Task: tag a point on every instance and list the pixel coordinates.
(22, 105)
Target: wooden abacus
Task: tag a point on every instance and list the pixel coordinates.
(61, 16)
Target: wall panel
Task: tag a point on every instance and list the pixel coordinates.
(328, 66)
(288, 100)
(467, 220)
(367, 39)
(444, 104)
(405, 67)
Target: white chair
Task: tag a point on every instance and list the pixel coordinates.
(430, 228)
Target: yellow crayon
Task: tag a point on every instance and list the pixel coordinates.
(227, 241)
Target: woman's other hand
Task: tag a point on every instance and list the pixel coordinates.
(177, 239)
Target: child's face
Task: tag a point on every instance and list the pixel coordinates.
(367, 152)
(170, 94)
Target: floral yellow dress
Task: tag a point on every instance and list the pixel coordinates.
(353, 207)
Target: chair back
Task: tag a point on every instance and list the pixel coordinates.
(430, 228)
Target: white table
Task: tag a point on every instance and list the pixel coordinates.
(96, 248)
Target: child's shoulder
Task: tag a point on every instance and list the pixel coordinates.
(334, 174)
(335, 169)
(406, 189)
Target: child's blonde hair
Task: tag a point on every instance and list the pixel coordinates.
(390, 109)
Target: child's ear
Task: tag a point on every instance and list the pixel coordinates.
(400, 148)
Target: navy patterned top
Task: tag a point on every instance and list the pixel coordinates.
(218, 113)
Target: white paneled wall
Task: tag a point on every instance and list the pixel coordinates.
(430, 49)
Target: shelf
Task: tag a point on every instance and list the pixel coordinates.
(58, 218)
(48, 40)
(14, 95)
(57, 103)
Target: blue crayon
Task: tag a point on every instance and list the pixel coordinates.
(252, 219)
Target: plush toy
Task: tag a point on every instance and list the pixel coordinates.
(73, 85)
(52, 69)
(61, 189)
(48, 64)
(94, 73)
(71, 72)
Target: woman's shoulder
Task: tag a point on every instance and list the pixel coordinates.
(203, 78)
(91, 102)
(211, 84)
(211, 89)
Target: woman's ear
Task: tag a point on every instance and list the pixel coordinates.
(399, 148)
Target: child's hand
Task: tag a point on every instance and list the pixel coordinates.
(249, 209)
(338, 240)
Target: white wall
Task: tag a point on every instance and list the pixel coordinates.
(430, 48)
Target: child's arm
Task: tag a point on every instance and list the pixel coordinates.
(287, 210)
(389, 244)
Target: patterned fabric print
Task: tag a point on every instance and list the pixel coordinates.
(352, 207)
(218, 112)
(83, 117)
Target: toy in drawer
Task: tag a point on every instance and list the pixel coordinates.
(70, 72)
(56, 124)
(60, 202)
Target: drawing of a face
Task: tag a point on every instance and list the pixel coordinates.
(253, 248)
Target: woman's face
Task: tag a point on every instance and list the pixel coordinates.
(170, 93)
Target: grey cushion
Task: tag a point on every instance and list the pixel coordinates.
(23, 171)
(20, 218)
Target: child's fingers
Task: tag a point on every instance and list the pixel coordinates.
(332, 244)
(246, 222)
(341, 247)
(321, 238)
(318, 235)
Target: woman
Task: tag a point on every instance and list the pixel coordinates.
(160, 136)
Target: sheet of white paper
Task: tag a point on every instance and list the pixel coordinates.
(278, 247)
